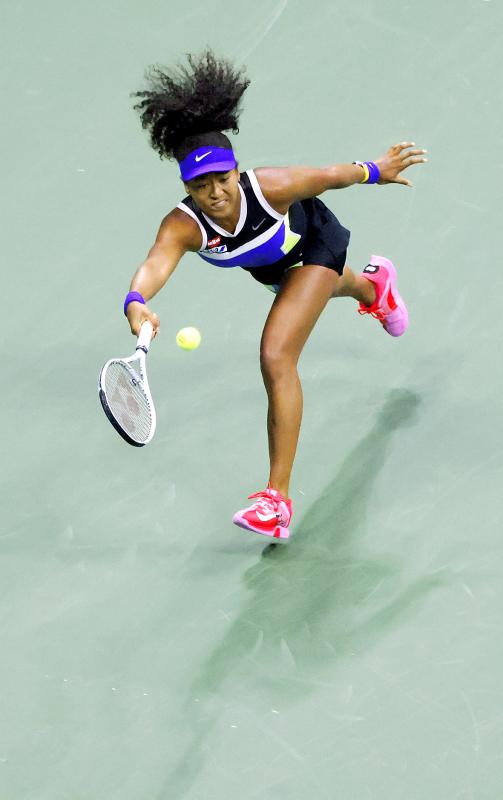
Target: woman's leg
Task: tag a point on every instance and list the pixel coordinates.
(351, 285)
(303, 295)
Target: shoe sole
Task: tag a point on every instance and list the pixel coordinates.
(277, 533)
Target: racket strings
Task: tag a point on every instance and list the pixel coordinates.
(127, 400)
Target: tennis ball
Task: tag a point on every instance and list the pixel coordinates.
(188, 338)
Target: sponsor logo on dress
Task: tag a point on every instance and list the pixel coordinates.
(214, 242)
(221, 249)
(256, 227)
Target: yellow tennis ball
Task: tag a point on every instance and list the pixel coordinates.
(188, 338)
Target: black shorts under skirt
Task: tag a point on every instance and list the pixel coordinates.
(324, 241)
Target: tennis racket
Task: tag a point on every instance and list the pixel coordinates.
(125, 393)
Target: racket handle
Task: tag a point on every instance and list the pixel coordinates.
(145, 336)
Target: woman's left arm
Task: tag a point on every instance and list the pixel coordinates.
(282, 186)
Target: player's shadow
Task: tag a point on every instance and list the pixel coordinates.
(316, 599)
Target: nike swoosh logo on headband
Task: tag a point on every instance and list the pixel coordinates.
(200, 158)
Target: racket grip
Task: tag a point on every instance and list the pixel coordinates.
(145, 336)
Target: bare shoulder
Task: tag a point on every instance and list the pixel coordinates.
(178, 227)
(274, 183)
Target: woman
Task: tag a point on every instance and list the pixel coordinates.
(270, 222)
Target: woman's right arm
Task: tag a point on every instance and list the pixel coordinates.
(177, 235)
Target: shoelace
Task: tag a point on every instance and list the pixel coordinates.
(377, 314)
(265, 503)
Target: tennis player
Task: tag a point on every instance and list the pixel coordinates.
(270, 223)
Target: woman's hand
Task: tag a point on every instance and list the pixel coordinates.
(398, 158)
(137, 313)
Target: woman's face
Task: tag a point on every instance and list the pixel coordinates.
(216, 193)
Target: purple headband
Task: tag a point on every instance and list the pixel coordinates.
(207, 159)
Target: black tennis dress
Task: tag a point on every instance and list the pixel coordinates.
(266, 243)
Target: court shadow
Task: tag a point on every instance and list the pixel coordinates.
(318, 596)
(315, 600)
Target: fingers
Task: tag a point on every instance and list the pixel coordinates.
(413, 160)
(415, 157)
(399, 157)
(153, 319)
(415, 153)
(156, 322)
(137, 317)
(397, 148)
(398, 179)
(409, 158)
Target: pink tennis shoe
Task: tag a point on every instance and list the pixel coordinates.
(388, 307)
(270, 514)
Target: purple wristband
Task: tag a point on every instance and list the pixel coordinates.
(374, 173)
(132, 297)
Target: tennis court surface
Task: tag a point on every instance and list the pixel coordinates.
(150, 649)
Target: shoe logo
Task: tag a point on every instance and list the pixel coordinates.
(200, 158)
(371, 268)
(256, 227)
(266, 517)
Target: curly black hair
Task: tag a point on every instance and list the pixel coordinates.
(190, 106)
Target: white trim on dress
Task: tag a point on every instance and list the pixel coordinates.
(260, 197)
(189, 211)
(241, 221)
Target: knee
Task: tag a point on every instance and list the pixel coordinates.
(276, 361)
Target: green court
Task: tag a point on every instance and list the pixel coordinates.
(150, 649)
